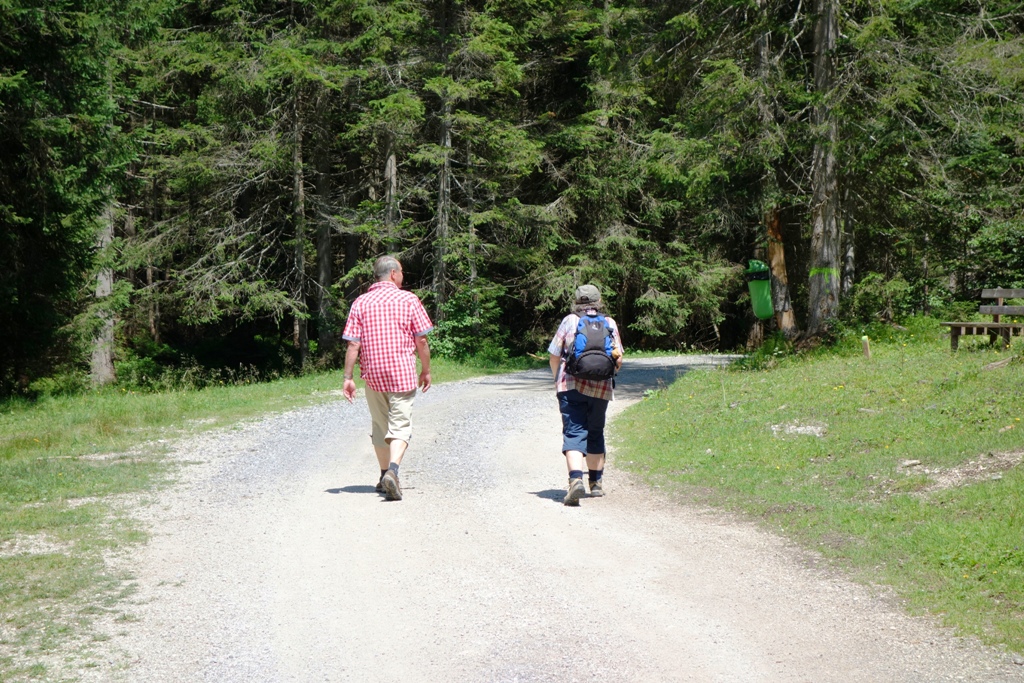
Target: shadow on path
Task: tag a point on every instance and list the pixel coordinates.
(550, 494)
(642, 374)
(364, 488)
(637, 376)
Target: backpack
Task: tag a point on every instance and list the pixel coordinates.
(590, 356)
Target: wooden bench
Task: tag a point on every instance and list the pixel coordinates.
(996, 328)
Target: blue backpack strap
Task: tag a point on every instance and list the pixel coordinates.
(580, 321)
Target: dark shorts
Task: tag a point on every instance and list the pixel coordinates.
(582, 422)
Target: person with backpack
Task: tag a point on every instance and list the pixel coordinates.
(585, 354)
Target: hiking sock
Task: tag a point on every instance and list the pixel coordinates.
(394, 468)
(382, 472)
(575, 474)
(595, 475)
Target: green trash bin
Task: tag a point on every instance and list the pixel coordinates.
(760, 285)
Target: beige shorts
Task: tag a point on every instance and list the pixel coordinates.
(391, 416)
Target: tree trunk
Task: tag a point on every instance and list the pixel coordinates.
(102, 364)
(391, 195)
(770, 193)
(823, 303)
(300, 332)
(352, 244)
(129, 234)
(926, 306)
(327, 338)
(151, 283)
(131, 274)
(848, 250)
(473, 274)
(756, 335)
(154, 305)
(444, 196)
(444, 191)
(781, 301)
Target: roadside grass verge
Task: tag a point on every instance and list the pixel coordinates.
(903, 469)
(64, 460)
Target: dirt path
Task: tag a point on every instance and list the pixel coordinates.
(274, 560)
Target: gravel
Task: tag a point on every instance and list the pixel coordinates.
(273, 559)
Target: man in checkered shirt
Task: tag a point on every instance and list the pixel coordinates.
(386, 330)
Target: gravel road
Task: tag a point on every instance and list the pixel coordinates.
(273, 559)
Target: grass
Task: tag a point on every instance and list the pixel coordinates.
(64, 460)
(732, 438)
(956, 551)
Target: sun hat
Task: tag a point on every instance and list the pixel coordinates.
(587, 294)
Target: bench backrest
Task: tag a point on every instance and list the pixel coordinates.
(1001, 294)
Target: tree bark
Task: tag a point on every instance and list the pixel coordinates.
(444, 193)
(473, 273)
(102, 363)
(781, 302)
(151, 283)
(824, 261)
(444, 196)
(352, 244)
(300, 331)
(391, 194)
(756, 335)
(926, 306)
(849, 261)
(327, 339)
(129, 235)
(154, 305)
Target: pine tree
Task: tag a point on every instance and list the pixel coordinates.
(57, 159)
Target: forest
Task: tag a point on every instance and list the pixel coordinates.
(201, 186)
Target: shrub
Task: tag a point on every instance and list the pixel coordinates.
(470, 326)
(875, 298)
(64, 382)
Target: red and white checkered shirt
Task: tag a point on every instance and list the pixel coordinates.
(385, 322)
(559, 346)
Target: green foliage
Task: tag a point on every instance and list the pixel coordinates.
(998, 249)
(876, 298)
(471, 326)
(248, 149)
(774, 350)
(63, 382)
(59, 159)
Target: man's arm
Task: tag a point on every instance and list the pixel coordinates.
(350, 364)
(554, 361)
(423, 351)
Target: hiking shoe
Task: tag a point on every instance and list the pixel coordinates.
(575, 492)
(389, 482)
(596, 490)
(379, 488)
